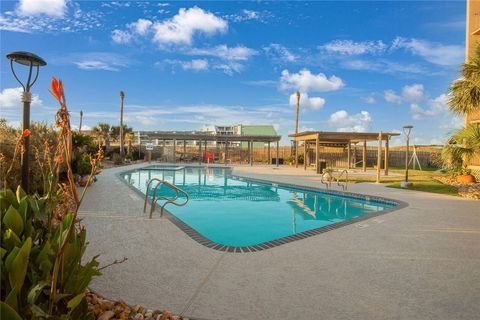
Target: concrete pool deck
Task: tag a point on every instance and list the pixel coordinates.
(419, 262)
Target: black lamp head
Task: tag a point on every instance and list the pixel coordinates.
(26, 58)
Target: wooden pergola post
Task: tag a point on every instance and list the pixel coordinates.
(349, 151)
(226, 151)
(184, 149)
(305, 155)
(296, 153)
(251, 152)
(317, 156)
(354, 155)
(364, 156)
(200, 151)
(174, 151)
(387, 157)
(268, 150)
(276, 160)
(379, 156)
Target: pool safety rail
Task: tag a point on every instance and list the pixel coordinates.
(327, 179)
(168, 200)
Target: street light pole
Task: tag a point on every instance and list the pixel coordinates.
(30, 60)
(407, 130)
(296, 130)
(81, 120)
(122, 96)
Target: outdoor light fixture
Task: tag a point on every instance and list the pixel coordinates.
(122, 153)
(407, 129)
(31, 61)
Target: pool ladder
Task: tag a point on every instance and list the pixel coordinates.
(168, 200)
(344, 184)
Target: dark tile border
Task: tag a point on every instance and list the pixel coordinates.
(198, 237)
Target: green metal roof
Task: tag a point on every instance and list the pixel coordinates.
(262, 130)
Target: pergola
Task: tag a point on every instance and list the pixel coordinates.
(344, 140)
(203, 138)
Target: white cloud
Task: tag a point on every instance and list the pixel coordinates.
(53, 8)
(72, 19)
(306, 102)
(280, 53)
(413, 93)
(121, 36)
(228, 58)
(435, 107)
(11, 98)
(383, 66)
(230, 67)
(305, 81)
(248, 15)
(196, 64)
(141, 27)
(343, 121)
(392, 97)
(349, 47)
(445, 55)
(370, 99)
(180, 29)
(99, 61)
(238, 53)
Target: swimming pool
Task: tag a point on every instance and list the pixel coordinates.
(228, 212)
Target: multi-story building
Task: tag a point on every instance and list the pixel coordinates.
(472, 40)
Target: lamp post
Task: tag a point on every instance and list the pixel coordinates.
(406, 130)
(30, 60)
(122, 96)
(296, 130)
(81, 120)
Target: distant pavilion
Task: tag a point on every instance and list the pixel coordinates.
(202, 138)
(317, 139)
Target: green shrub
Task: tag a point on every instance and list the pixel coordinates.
(116, 159)
(83, 143)
(41, 134)
(84, 166)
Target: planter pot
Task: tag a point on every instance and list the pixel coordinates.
(405, 184)
(466, 178)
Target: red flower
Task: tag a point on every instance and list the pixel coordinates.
(59, 159)
(57, 88)
(25, 133)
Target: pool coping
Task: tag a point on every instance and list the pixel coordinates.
(201, 239)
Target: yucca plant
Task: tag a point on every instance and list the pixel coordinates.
(43, 242)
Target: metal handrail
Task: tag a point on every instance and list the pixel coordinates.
(327, 183)
(168, 200)
(345, 185)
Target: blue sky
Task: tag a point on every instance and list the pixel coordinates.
(363, 66)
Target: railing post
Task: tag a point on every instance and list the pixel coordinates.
(379, 156)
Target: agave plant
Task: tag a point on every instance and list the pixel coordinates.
(42, 272)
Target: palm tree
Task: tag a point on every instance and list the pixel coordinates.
(464, 99)
(464, 96)
(462, 147)
(102, 131)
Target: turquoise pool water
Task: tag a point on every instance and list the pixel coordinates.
(238, 212)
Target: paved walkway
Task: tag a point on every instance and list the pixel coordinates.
(419, 262)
